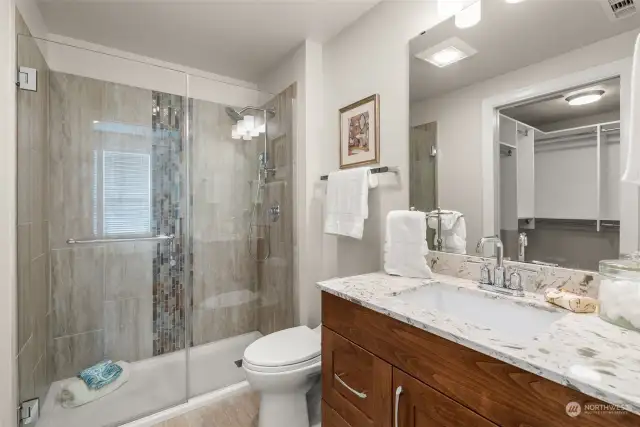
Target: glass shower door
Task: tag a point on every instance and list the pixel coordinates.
(107, 212)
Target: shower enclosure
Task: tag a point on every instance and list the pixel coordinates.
(154, 229)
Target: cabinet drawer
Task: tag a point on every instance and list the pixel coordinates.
(355, 383)
(419, 405)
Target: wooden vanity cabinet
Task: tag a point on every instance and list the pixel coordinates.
(355, 383)
(366, 356)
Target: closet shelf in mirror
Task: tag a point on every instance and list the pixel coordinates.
(508, 145)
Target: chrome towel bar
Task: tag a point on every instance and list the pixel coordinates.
(382, 169)
(160, 237)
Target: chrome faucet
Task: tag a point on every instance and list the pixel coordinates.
(500, 284)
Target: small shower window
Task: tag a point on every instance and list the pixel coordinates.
(122, 193)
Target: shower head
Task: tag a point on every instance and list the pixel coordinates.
(235, 116)
(239, 115)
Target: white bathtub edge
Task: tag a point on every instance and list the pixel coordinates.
(191, 405)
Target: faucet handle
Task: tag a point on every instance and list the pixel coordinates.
(515, 282)
(485, 275)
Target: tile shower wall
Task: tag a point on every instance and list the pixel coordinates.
(101, 295)
(33, 221)
(275, 277)
(225, 294)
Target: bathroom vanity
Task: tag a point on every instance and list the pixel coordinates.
(440, 352)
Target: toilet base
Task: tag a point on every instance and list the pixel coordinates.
(283, 409)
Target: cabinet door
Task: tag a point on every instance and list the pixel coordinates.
(418, 405)
(355, 383)
(330, 418)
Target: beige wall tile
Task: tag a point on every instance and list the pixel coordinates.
(77, 290)
(27, 359)
(26, 316)
(24, 177)
(40, 381)
(75, 103)
(71, 354)
(211, 325)
(129, 270)
(128, 329)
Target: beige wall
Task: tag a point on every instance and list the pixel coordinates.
(370, 56)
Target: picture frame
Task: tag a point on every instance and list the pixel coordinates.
(360, 133)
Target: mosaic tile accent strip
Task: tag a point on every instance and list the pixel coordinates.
(168, 187)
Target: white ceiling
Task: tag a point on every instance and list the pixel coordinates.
(554, 108)
(512, 36)
(241, 39)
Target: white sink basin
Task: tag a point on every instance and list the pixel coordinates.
(510, 321)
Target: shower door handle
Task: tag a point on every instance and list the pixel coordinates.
(160, 237)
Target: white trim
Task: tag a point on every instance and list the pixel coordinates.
(147, 60)
(620, 68)
(8, 287)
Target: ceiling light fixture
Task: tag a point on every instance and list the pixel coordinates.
(514, 1)
(469, 16)
(447, 52)
(583, 98)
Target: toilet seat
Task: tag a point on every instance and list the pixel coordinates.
(287, 350)
(280, 369)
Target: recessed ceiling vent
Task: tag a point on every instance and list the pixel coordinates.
(619, 9)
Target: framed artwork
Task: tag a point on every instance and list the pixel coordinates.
(360, 133)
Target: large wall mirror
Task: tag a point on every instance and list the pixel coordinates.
(519, 129)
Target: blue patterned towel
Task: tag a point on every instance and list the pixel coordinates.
(100, 374)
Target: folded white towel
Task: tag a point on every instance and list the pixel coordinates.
(75, 392)
(405, 244)
(454, 232)
(632, 171)
(348, 201)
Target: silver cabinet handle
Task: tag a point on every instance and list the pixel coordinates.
(398, 393)
(356, 392)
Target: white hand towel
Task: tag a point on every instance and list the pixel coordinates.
(76, 393)
(454, 232)
(348, 201)
(405, 244)
(632, 171)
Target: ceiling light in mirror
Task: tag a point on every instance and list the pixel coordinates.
(583, 98)
(447, 52)
(470, 16)
(447, 56)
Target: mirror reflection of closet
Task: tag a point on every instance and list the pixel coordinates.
(559, 178)
(423, 170)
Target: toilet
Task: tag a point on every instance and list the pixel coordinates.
(282, 367)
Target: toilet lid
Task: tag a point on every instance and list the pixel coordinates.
(287, 347)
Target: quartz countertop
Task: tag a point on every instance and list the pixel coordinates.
(580, 351)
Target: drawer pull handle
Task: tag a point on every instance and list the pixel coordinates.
(398, 393)
(356, 392)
